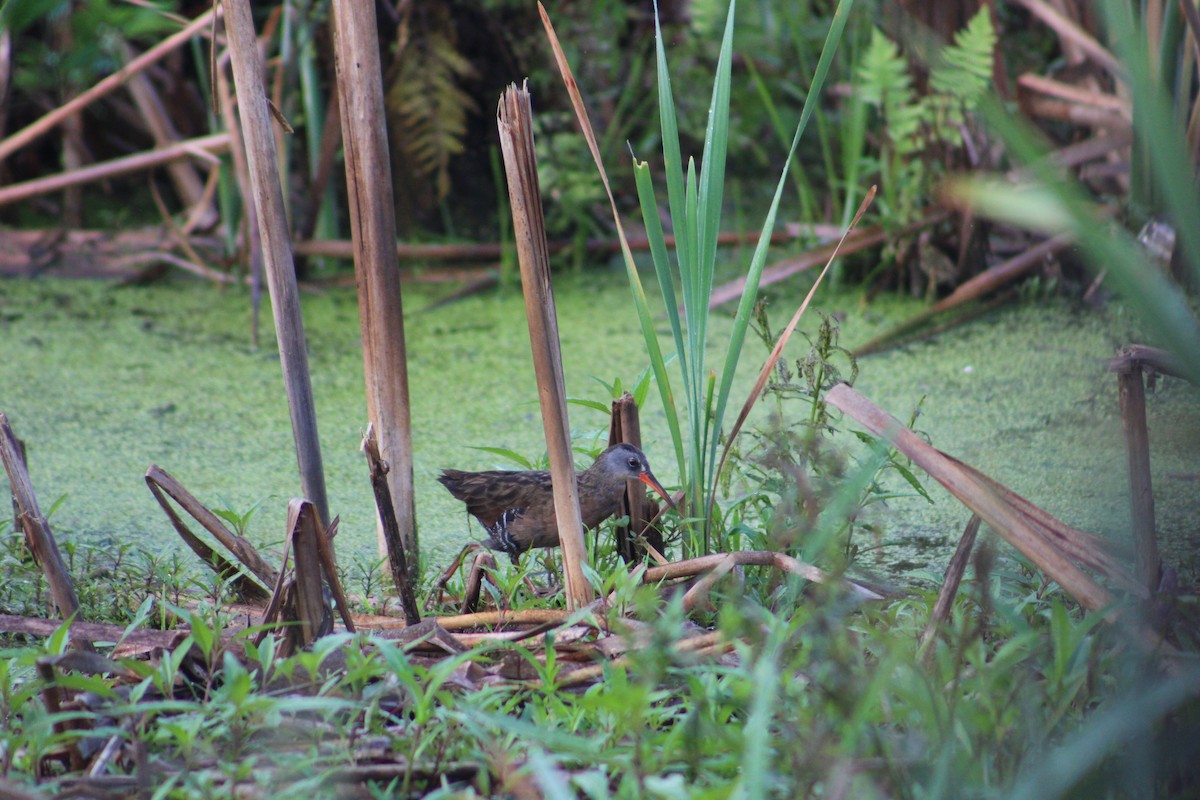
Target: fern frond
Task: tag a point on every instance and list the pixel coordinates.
(884, 82)
(883, 73)
(428, 104)
(965, 71)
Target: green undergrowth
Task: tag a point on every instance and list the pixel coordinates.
(818, 695)
(814, 693)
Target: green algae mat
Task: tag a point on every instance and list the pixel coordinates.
(101, 381)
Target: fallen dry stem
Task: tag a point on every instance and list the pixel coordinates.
(163, 485)
(692, 567)
(38, 536)
(954, 574)
(211, 145)
(992, 507)
(48, 122)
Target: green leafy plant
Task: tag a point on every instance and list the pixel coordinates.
(695, 203)
(803, 490)
(240, 520)
(917, 129)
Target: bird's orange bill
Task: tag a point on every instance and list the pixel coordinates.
(653, 483)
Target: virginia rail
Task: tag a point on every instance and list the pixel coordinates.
(517, 508)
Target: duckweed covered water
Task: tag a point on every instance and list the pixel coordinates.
(102, 381)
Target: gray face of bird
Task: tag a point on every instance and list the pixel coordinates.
(626, 462)
(630, 464)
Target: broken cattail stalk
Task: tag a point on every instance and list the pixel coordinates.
(1132, 391)
(481, 564)
(311, 609)
(515, 121)
(38, 536)
(954, 574)
(276, 246)
(373, 230)
(393, 540)
(624, 426)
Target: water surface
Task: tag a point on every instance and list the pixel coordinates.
(102, 381)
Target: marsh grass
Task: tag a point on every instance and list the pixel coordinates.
(821, 696)
(1019, 695)
(695, 199)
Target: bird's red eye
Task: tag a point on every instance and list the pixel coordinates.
(633, 464)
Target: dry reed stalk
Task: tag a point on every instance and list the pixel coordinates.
(1132, 392)
(706, 644)
(1074, 37)
(757, 558)
(50, 120)
(854, 242)
(625, 426)
(1094, 552)
(207, 145)
(950, 584)
(329, 565)
(184, 177)
(1074, 113)
(163, 485)
(276, 245)
(38, 536)
(279, 591)
(991, 507)
(532, 616)
(303, 527)
(395, 548)
(373, 232)
(1099, 101)
(480, 565)
(973, 289)
(515, 122)
(492, 251)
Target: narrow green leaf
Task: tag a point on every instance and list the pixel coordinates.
(1161, 306)
(758, 261)
(712, 166)
(584, 402)
(672, 160)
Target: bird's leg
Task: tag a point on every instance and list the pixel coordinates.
(475, 579)
(435, 594)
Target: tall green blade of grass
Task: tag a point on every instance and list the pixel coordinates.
(745, 310)
(695, 203)
(1058, 206)
(1158, 129)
